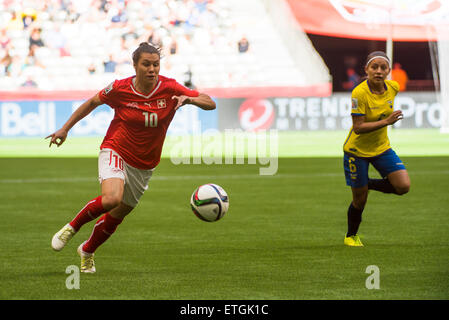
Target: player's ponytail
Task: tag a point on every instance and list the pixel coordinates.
(145, 47)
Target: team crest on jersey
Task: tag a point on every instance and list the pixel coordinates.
(390, 103)
(108, 88)
(161, 104)
(355, 103)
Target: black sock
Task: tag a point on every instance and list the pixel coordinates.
(354, 220)
(382, 185)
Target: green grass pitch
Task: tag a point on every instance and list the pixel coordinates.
(281, 239)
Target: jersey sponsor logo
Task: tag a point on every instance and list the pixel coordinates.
(256, 114)
(355, 103)
(132, 105)
(160, 104)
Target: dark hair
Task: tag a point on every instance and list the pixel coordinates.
(145, 47)
(377, 54)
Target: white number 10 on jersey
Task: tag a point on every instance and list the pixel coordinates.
(150, 119)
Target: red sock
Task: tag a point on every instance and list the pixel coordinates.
(103, 229)
(92, 210)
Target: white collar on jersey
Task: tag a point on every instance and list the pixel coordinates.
(133, 83)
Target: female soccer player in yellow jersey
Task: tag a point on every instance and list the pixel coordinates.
(367, 142)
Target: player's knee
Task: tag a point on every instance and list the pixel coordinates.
(110, 201)
(360, 201)
(359, 204)
(402, 189)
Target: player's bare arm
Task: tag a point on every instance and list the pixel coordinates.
(203, 101)
(59, 136)
(360, 126)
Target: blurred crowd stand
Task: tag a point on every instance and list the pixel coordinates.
(86, 44)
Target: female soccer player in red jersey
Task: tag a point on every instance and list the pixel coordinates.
(368, 143)
(144, 106)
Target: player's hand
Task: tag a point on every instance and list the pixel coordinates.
(57, 137)
(394, 117)
(182, 100)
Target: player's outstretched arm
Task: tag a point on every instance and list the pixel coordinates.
(58, 137)
(203, 101)
(360, 126)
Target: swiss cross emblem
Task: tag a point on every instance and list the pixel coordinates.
(161, 104)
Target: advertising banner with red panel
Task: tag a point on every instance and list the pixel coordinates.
(421, 110)
(402, 20)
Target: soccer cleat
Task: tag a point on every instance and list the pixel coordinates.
(61, 237)
(87, 260)
(353, 241)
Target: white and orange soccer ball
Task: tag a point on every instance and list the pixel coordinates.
(209, 202)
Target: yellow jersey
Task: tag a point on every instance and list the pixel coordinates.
(374, 107)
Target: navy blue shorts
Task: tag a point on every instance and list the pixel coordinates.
(356, 168)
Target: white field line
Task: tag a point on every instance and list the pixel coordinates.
(204, 177)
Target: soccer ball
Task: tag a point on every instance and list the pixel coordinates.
(209, 202)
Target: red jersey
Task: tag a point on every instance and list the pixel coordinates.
(137, 131)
